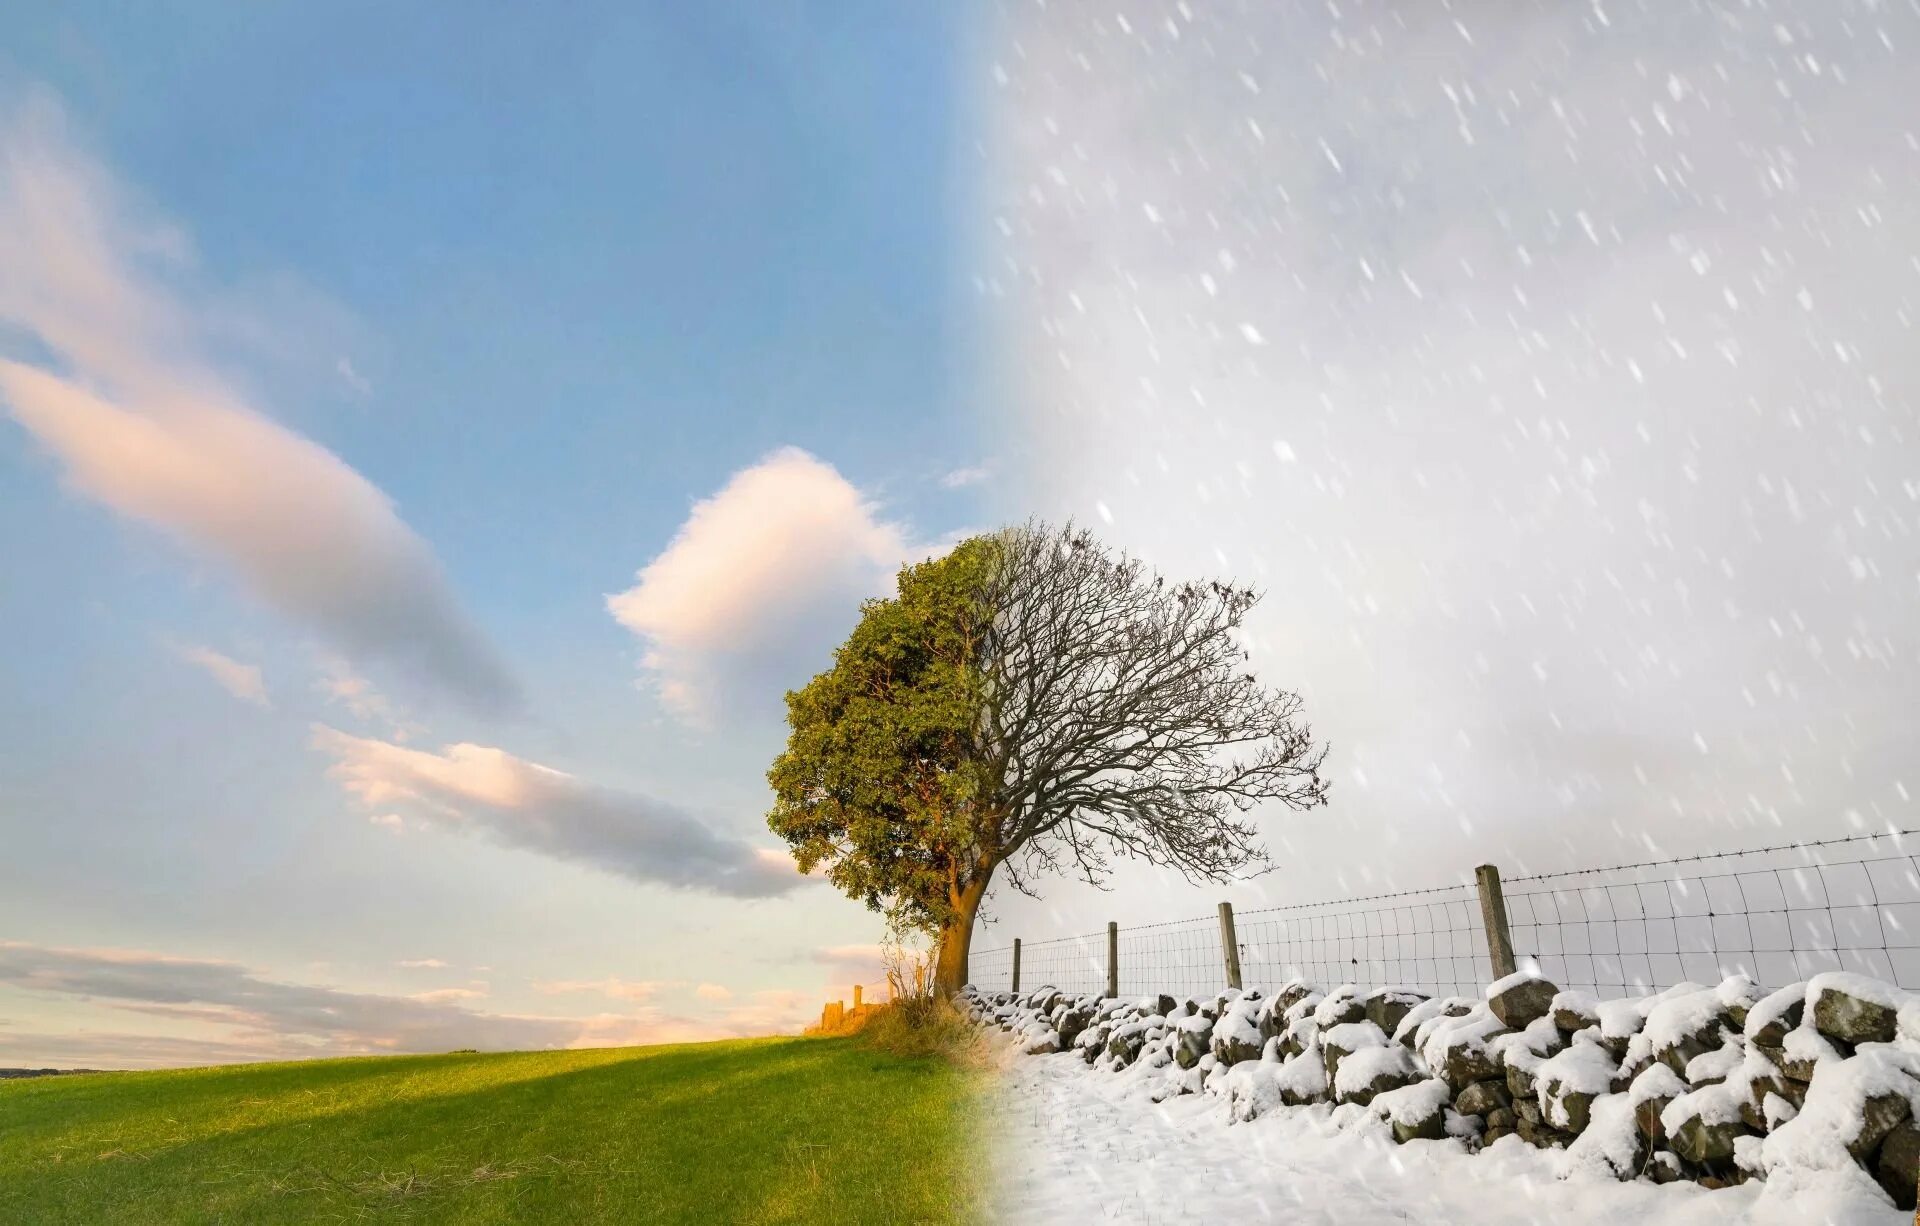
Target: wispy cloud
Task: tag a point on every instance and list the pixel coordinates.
(758, 578)
(353, 378)
(612, 987)
(217, 1012)
(243, 681)
(442, 996)
(342, 686)
(112, 386)
(961, 478)
(526, 805)
(263, 1018)
(414, 964)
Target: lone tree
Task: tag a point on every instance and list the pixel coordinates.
(1034, 701)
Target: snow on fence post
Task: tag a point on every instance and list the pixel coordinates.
(1113, 959)
(1016, 965)
(1493, 917)
(1229, 945)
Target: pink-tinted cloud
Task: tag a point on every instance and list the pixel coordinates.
(762, 571)
(243, 681)
(113, 388)
(269, 1016)
(613, 987)
(526, 805)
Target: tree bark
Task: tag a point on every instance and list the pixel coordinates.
(950, 969)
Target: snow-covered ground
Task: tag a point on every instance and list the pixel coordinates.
(1077, 1145)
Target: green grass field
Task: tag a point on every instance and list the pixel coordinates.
(758, 1130)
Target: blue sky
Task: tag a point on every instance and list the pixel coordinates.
(544, 285)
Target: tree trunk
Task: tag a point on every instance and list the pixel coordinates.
(950, 969)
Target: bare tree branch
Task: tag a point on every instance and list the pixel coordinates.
(1120, 717)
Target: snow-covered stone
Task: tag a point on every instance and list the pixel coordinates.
(1574, 1011)
(1681, 1027)
(1568, 1083)
(1303, 1078)
(1521, 998)
(1387, 1007)
(1774, 1015)
(1236, 1036)
(1340, 1007)
(1455, 1049)
(1338, 1042)
(1854, 1008)
(1851, 1106)
(1372, 1071)
(1415, 1112)
(1703, 1125)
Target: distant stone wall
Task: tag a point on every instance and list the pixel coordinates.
(1717, 1085)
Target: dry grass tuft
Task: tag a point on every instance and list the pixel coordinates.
(920, 1021)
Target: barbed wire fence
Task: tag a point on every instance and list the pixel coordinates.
(1775, 914)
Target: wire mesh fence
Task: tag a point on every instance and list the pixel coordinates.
(1072, 964)
(991, 970)
(1775, 914)
(1430, 940)
(1181, 957)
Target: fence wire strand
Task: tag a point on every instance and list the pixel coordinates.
(1775, 914)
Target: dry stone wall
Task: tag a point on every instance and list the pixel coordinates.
(1717, 1085)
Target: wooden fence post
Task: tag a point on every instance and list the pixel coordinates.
(1493, 916)
(1229, 945)
(1016, 965)
(857, 990)
(1113, 958)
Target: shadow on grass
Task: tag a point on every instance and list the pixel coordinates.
(788, 1130)
(139, 1114)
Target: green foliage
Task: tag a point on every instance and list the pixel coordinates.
(881, 779)
(759, 1131)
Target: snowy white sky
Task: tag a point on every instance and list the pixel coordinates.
(1551, 367)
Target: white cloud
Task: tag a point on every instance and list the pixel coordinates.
(442, 996)
(713, 991)
(961, 478)
(353, 378)
(526, 805)
(243, 681)
(111, 386)
(639, 991)
(753, 586)
(416, 964)
(342, 686)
